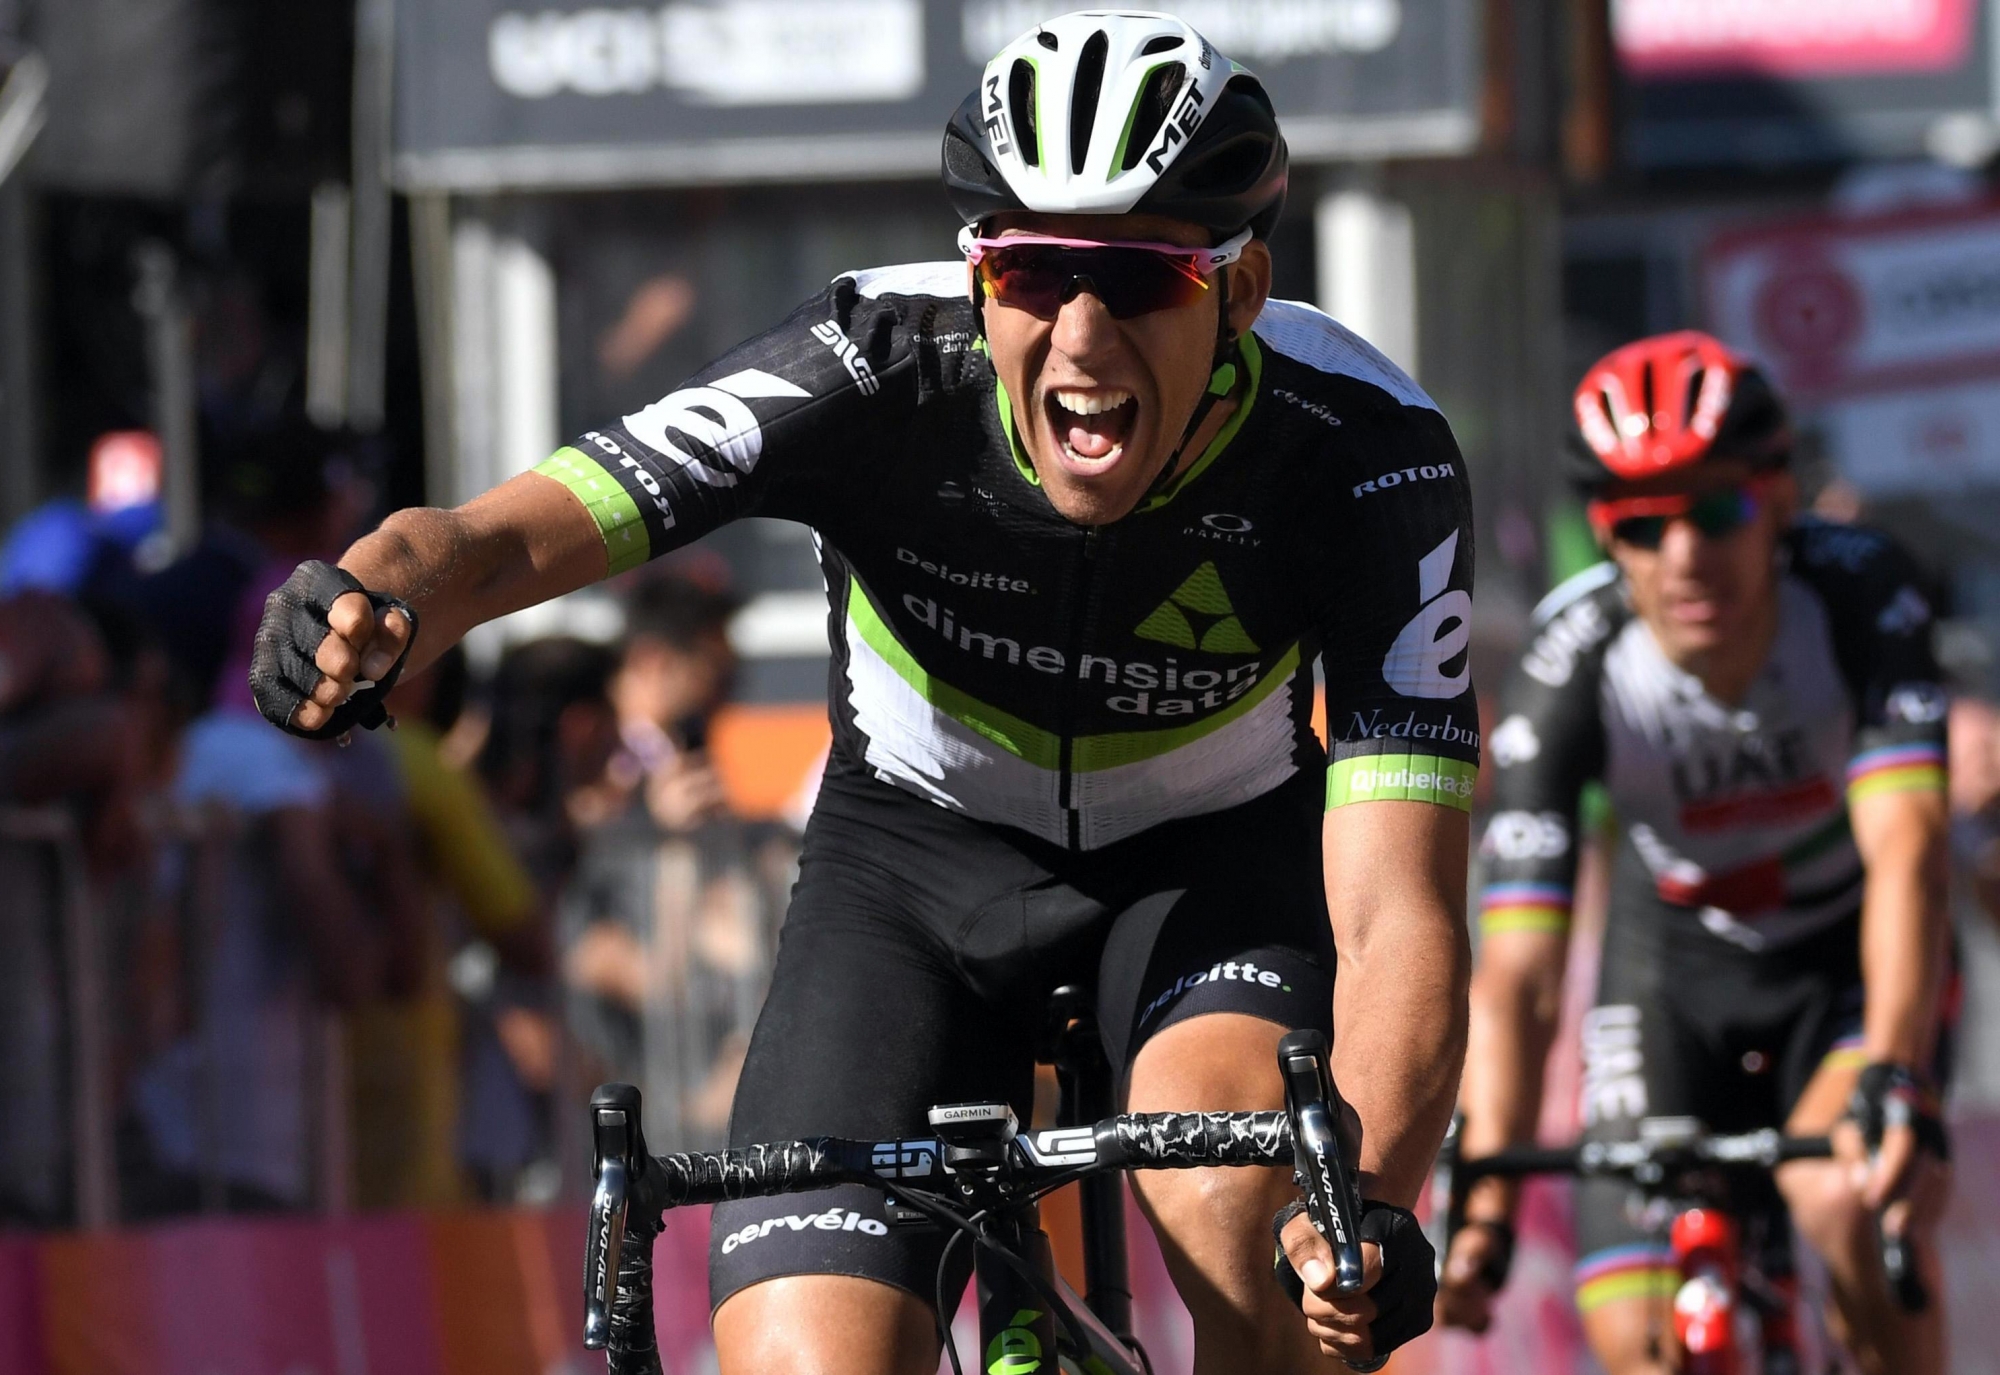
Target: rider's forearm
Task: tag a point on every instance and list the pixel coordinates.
(1904, 922)
(1396, 892)
(1516, 1006)
(522, 543)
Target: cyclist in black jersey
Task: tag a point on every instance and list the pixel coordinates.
(1089, 508)
(1758, 697)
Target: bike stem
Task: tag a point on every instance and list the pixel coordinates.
(1085, 1097)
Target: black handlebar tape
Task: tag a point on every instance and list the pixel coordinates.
(1506, 1164)
(1194, 1140)
(784, 1167)
(1805, 1148)
(634, 1345)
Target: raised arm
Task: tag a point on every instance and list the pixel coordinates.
(763, 430)
(525, 541)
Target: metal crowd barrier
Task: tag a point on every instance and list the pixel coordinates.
(73, 1061)
(705, 909)
(54, 932)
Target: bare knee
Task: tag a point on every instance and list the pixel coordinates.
(1826, 1207)
(1215, 1225)
(825, 1325)
(1633, 1336)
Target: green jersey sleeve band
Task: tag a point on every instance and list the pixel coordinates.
(1401, 778)
(626, 543)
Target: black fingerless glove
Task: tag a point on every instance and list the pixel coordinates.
(1405, 1294)
(1889, 1096)
(282, 668)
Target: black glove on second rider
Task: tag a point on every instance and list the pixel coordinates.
(282, 668)
(1889, 1095)
(1408, 1288)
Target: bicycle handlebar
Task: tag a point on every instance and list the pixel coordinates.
(635, 1188)
(1749, 1150)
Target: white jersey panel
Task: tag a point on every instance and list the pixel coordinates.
(913, 279)
(1230, 765)
(1313, 337)
(1755, 790)
(919, 748)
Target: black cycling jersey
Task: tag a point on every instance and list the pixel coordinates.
(1080, 684)
(1734, 817)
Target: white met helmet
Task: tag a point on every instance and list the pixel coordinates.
(1116, 112)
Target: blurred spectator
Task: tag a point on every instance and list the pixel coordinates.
(97, 547)
(549, 732)
(298, 862)
(670, 923)
(675, 669)
(76, 753)
(278, 495)
(486, 920)
(549, 735)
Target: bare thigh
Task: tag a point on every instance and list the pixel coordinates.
(825, 1325)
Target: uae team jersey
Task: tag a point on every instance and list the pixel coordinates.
(1734, 816)
(1082, 684)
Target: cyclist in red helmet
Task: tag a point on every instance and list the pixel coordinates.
(1756, 693)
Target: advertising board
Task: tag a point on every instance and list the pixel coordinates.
(1887, 327)
(498, 94)
(1721, 83)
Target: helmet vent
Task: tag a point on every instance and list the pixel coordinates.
(1165, 43)
(1083, 99)
(1156, 98)
(1021, 104)
(1047, 40)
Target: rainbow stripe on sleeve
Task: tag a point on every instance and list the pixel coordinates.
(1524, 907)
(1895, 769)
(1626, 1272)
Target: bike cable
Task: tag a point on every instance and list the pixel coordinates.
(941, 1294)
(968, 1226)
(943, 1281)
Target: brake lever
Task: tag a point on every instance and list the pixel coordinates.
(1321, 1159)
(619, 1151)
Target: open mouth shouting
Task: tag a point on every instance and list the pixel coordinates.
(1091, 428)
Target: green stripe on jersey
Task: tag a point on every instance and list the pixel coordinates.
(1129, 747)
(1400, 778)
(1043, 748)
(626, 542)
(1037, 746)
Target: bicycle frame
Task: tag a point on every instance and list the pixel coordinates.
(1017, 1326)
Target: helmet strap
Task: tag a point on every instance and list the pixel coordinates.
(1221, 382)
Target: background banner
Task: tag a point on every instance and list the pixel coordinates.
(507, 93)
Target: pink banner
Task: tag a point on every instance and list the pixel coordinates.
(498, 1293)
(1796, 38)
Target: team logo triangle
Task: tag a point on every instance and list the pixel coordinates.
(1198, 615)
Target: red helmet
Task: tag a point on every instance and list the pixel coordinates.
(1670, 402)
